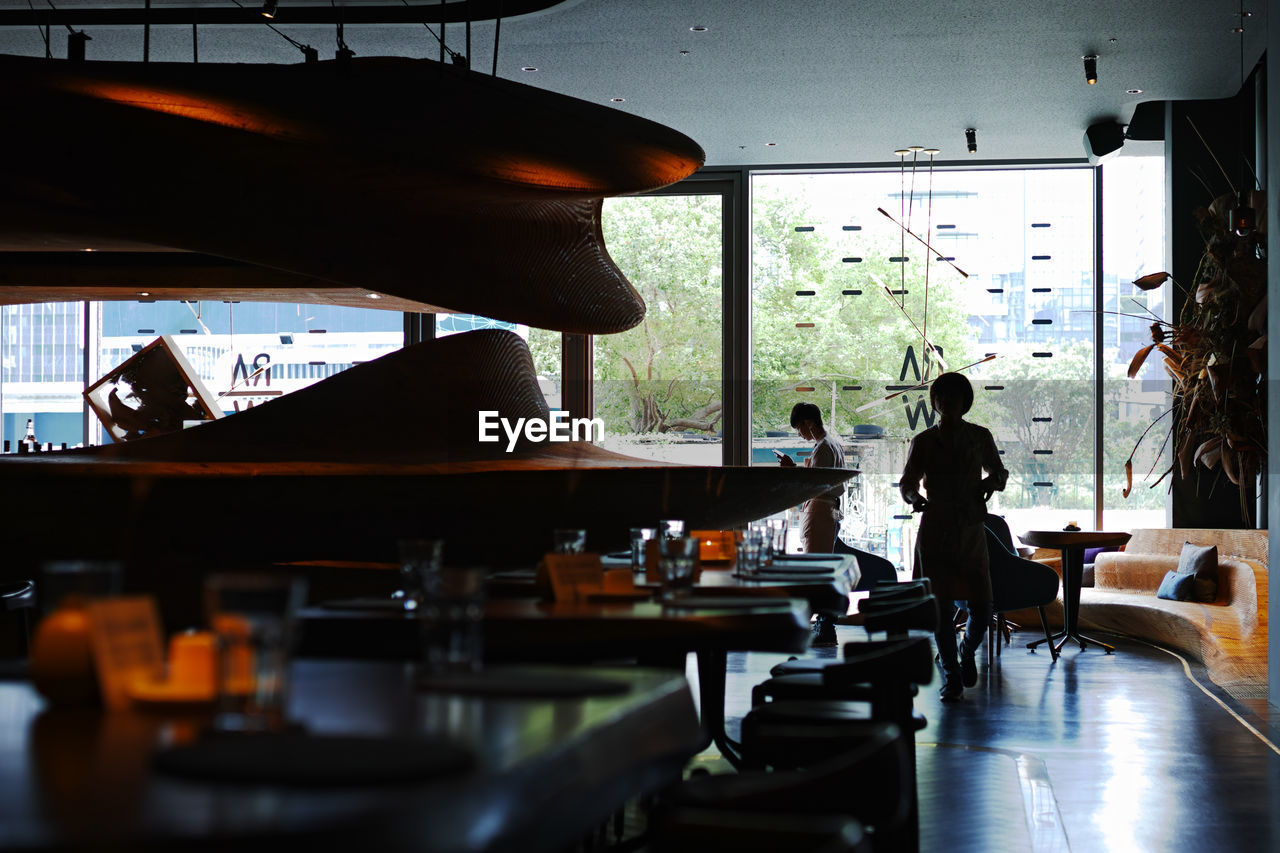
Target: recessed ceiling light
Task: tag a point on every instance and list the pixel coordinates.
(88, 250)
(618, 100)
(1133, 91)
(529, 68)
(144, 293)
(684, 53)
(770, 144)
(697, 29)
(374, 295)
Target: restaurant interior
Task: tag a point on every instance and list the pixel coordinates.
(393, 395)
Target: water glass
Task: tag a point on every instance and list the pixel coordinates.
(640, 537)
(761, 528)
(451, 619)
(569, 541)
(676, 560)
(778, 532)
(252, 618)
(418, 559)
(750, 551)
(670, 528)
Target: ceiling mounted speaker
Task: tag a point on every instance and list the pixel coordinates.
(1103, 140)
(1147, 122)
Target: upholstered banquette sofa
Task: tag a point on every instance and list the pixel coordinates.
(1227, 635)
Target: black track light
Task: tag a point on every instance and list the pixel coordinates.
(1091, 68)
(1243, 218)
(971, 139)
(75, 45)
(269, 8)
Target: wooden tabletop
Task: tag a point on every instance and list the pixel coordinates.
(530, 630)
(1073, 538)
(71, 777)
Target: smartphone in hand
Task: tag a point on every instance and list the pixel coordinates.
(779, 454)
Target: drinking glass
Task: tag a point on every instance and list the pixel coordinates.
(640, 537)
(569, 541)
(778, 531)
(418, 558)
(252, 618)
(451, 619)
(761, 528)
(749, 552)
(677, 557)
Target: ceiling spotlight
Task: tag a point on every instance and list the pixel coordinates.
(618, 100)
(1243, 217)
(902, 152)
(373, 295)
(75, 45)
(269, 8)
(932, 152)
(1133, 91)
(971, 139)
(771, 145)
(1091, 68)
(697, 29)
(529, 68)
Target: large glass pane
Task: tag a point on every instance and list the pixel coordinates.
(1133, 199)
(657, 387)
(845, 296)
(250, 352)
(545, 346)
(43, 372)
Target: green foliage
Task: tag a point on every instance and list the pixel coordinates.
(856, 339)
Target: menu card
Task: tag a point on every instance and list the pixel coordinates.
(572, 575)
(125, 638)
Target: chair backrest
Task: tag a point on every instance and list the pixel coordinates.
(904, 660)
(1016, 583)
(898, 615)
(872, 568)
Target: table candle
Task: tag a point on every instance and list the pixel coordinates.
(191, 662)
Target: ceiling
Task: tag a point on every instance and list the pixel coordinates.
(785, 82)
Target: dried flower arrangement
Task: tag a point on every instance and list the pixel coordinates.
(1216, 353)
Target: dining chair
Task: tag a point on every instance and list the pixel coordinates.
(858, 768)
(1016, 584)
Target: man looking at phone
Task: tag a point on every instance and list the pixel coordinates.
(820, 516)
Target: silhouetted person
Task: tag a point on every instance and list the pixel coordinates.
(951, 545)
(820, 516)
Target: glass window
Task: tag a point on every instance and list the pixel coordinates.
(43, 372)
(657, 387)
(250, 352)
(1133, 245)
(848, 304)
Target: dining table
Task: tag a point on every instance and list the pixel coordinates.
(529, 630)
(376, 756)
(1072, 544)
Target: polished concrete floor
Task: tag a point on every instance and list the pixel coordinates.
(1129, 752)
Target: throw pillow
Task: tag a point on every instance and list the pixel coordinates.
(1202, 562)
(1177, 586)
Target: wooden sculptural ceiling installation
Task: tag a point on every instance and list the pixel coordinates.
(295, 478)
(435, 186)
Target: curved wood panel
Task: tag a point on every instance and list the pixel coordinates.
(387, 449)
(404, 177)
